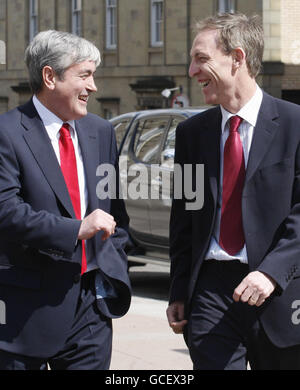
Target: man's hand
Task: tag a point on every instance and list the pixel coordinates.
(175, 314)
(255, 288)
(94, 222)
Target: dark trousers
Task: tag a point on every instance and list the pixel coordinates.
(87, 347)
(225, 335)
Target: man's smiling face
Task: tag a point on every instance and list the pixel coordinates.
(70, 94)
(212, 68)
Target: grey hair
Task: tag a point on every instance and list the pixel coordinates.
(59, 50)
(238, 30)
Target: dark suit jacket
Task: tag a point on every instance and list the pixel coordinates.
(270, 208)
(40, 258)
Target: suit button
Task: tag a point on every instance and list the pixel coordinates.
(76, 278)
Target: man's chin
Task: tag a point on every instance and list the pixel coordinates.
(80, 114)
(210, 100)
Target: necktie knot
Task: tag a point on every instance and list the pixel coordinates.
(65, 130)
(235, 122)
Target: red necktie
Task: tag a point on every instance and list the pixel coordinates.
(231, 230)
(69, 170)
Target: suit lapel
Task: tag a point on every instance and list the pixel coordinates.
(39, 143)
(263, 134)
(211, 140)
(265, 130)
(89, 146)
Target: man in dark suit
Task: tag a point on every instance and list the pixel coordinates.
(63, 271)
(235, 263)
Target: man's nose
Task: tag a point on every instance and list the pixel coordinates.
(91, 85)
(193, 69)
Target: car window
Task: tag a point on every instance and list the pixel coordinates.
(167, 156)
(148, 138)
(120, 129)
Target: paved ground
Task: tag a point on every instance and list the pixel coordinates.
(143, 339)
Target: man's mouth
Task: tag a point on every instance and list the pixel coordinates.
(204, 84)
(84, 98)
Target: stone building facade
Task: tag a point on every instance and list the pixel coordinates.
(145, 47)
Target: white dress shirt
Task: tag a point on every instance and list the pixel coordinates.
(249, 114)
(53, 125)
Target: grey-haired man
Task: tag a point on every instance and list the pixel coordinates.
(63, 271)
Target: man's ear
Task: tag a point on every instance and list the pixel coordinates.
(239, 57)
(49, 77)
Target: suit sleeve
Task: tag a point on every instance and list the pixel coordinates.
(112, 257)
(118, 210)
(19, 223)
(282, 263)
(180, 229)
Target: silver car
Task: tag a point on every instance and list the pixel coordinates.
(146, 142)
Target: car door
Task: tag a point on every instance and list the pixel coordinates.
(163, 181)
(121, 125)
(143, 152)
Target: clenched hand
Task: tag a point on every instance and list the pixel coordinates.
(175, 314)
(94, 222)
(254, 289)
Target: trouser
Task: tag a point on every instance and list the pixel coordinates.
(226, 335)
(87, 347)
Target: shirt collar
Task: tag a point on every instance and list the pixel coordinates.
(249, 112)
(51, 122)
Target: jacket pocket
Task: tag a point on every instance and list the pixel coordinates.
(287, 162)
(11, 275)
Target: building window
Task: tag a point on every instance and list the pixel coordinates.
(156, 22)
(2, 53)
(111, 24)
(76, 17)
(226, 6)
(33, 19)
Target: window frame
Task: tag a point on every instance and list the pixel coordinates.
(76, 11)
(121, 129)
(33, 18)
(156, 23)
(111, 24)
(135, 140)
(226, 6)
